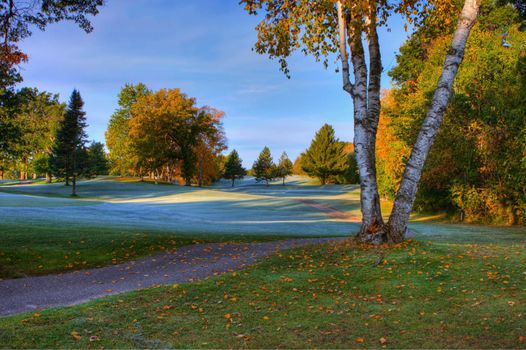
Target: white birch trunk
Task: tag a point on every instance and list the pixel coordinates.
(366, 113)
(397, 225)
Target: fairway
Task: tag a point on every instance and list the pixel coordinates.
(249, 209)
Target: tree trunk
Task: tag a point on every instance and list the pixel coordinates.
(67, 180)
(200, 180)
(74, 187)
(233, 182)
(397, 225)
(187, 182)
(283, 180)
(1, 174)
(366, 102)
(48, 178)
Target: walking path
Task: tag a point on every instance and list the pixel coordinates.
(185, 264)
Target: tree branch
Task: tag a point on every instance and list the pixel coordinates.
(342, 26)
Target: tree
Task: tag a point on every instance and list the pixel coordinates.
(121, 157)
(350, 175)
(98, 163)
(296, 168)
(19, 17)
(234, 167)
(69, 158)
(405, 197)
(322, 28)
(211, 141)
(37, 116)
(325, 157)
(284, 167)
(264, 168)
(474, 167)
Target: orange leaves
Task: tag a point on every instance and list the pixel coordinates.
(359, 340)
(227, 316)
(75, 335)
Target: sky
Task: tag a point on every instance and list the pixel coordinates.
(203, 47)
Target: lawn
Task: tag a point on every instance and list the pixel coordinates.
(43, 230)
(452, 286)
(418, 294)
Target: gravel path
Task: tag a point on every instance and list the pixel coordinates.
(186, 264)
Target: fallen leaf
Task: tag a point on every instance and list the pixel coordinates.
(75, 335)
(360, 340)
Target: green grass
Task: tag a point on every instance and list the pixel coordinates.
(29, 249)
(421, 295)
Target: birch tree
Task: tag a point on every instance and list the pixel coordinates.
(325, 28)
(405, 197)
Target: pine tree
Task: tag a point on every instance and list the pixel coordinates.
(98, 162)
(326, 157)
(264, 168)
(69, 158)
(284, 167)
(233, 167)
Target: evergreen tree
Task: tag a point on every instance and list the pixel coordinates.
(326, 157)
(98, 162)
(284, 167)
(69, 158)
(264, 168)
(233, 167)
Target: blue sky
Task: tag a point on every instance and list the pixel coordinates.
(203, 47)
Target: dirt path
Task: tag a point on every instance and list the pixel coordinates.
(330, 211)
(186, 264)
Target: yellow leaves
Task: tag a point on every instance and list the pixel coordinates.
(511, 303)
(175, 286)
(75, 335)
(109, 290)
(266, 318)
(36, 315)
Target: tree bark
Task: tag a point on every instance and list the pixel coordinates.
(48, 178)
(366, 102)
(200, 180)
(233, 182)
(397, 225)
(74, 187)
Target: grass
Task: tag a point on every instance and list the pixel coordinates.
(422, 294)
(29, 249)
(455, 286)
